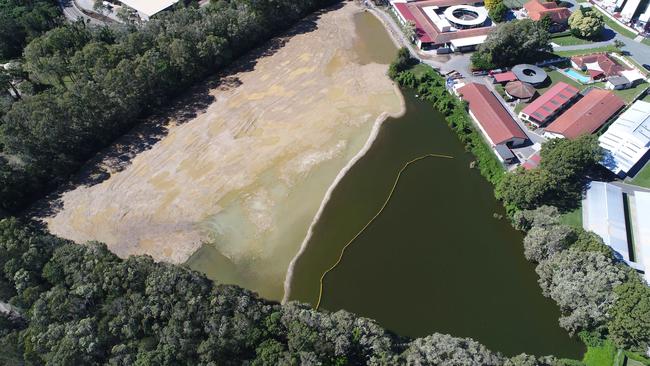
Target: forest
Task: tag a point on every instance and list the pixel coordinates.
(85, 86)
(22, 21)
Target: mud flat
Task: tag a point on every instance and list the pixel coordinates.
(233, 191)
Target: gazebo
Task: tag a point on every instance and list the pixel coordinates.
(520, 90)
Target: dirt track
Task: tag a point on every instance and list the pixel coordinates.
(267, 148)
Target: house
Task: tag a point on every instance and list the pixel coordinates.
(618, 83)
(538, 9)
(598, 64)
(493, 120)
(148, 8)
(585, 116)
(441, 25)
(627, 141)
(543, 109)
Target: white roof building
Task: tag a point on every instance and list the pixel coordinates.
(641, 223)
(148, 8)
(603, 213)
(628, 139)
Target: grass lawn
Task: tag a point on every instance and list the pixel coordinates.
(421, 69)
(615, 26)
(573, 218)
(587, 51)
(499, 88)
(600, 356)
(642, 178)
(555, 77)
(646, 98)
(646, 41)
(570, 40)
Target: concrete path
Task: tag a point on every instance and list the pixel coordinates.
(629, 188)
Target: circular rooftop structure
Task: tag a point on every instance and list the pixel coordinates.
(529, 74)
(466, 16)
(520, 90)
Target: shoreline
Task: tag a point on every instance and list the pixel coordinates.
(328, 194)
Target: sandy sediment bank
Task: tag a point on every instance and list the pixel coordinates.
(247, 174)
(328, 195)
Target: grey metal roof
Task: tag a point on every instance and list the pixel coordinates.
(529, 73)
(618, 80)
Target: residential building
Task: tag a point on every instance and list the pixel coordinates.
(627, 140)
(538, 9)
(585, 116)
(493, 120)
(556, 99)
(598, 64)
(618, 83)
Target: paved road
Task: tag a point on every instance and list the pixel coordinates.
(72, 13)
(637, 50)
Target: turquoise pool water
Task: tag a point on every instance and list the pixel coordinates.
(578, 76)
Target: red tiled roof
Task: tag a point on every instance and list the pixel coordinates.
(491, 115)
(595, 74)
(532, 162)
(587, 115)
(554, 99)
(537, 9)
(504, 76)
(426, 31)
(609, 66)
(408, 15)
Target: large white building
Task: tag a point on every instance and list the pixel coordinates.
(148, 8)
(603, 212)
(627, 140)
(640, 204)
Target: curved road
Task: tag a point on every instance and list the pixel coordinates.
(72, 13)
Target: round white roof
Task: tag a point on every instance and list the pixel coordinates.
(474, 15)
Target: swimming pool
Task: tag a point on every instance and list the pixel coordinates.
(577, 76)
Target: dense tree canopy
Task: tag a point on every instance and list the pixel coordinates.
(595, 292)
(512, 43)
(560, 178)
(629, 326)
(22, 21)
(84, 305)
(586, 23)
(499, 12)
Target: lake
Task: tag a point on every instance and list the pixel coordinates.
(437, 259)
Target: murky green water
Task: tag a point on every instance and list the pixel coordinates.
(436, 260)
